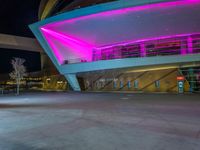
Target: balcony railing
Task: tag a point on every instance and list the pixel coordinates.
(181, 45)
(160, 47)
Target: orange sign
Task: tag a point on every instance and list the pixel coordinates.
(180, 78)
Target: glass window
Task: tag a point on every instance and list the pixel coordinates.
(157, 84)
(129, 84)
(136, 84)
(121, 84)
(114, 84)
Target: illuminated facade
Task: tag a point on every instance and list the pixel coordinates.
(123, 35)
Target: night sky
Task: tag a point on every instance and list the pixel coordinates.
(15, 16)
(30, 57)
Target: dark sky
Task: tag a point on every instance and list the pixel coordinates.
(32, 60)
(15, 16)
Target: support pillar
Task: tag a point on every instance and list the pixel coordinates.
(72, 80)
(43, 59)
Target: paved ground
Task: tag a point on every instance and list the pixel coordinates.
(100, 121)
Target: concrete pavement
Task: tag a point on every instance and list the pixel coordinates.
(100, 121)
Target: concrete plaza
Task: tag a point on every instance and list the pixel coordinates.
(99, 121)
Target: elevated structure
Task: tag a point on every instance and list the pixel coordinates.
(120, 35)
(22, 43)
(26, 44)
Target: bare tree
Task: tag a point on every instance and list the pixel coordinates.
(19, 71)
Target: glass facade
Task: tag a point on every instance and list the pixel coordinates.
(160, 47)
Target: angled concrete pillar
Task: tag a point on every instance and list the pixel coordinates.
(72, 80)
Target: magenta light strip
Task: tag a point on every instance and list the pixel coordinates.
(143, 50)
(144, 40)
(56, 52)
(130, 9)
(83, 47)
(65, 37)
(77, 47)
(183, 49)
(190, 47)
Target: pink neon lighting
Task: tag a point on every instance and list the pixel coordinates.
(66, 37)
(77, 48)
(144, 40)
(189, 40)
(54, 48)
(143, 50)
(129, 9)
(183, 49)
(81, 48)
(172, 46)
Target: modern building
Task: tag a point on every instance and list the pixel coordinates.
(135, 45)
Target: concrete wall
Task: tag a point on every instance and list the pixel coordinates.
(146, 81)
(17, 42)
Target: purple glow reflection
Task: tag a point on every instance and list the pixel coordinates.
(183, 48)
(81, 49)
(56, 52)
(144, 40)
(66, 37)
(173, 46)
(157, 5)
(143, 50)
(77, 48)
(189, 41)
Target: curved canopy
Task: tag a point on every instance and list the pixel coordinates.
(75, 34)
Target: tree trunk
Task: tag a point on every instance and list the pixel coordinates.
(18, 84)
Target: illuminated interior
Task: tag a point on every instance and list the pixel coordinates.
(174, 45)
(140, 31)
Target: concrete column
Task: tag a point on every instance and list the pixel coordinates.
(72, 80)
(43, 60)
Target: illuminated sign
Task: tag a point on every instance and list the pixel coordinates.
(180, 78)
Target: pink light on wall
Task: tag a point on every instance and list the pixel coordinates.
(56, 52)
(76, 48)
(66, 37)
(121, 11)
(170, 45)
(143, 50)
(189, 42)
(144, 40)
(80, 48)
(183, 48)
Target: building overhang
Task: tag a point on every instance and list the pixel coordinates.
(75, 34)
(130, 63)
